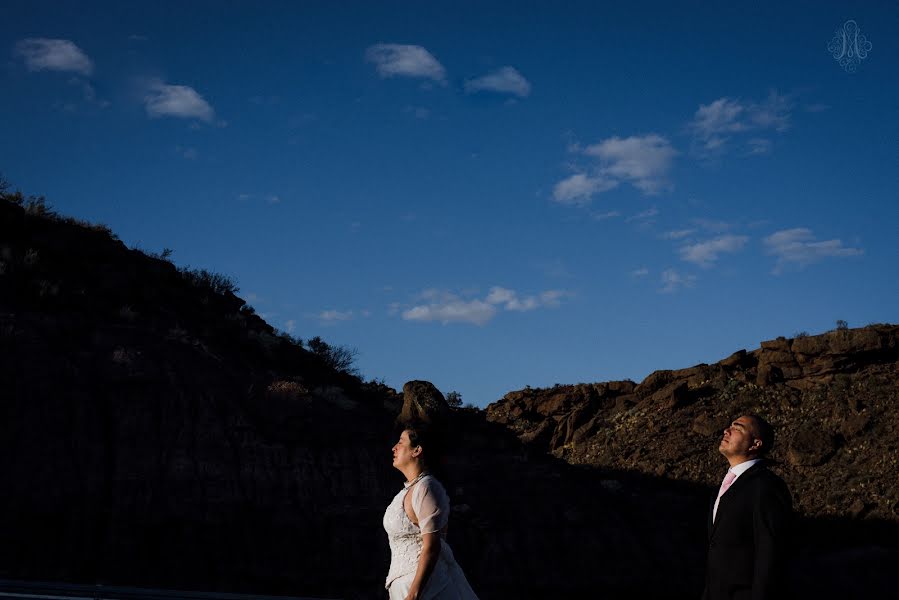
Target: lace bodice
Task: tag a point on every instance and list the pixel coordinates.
(431, 507)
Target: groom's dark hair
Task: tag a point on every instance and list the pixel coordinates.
(764, 432)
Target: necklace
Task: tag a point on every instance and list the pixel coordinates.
(409, 484)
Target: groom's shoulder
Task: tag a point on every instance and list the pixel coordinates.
(765, 478)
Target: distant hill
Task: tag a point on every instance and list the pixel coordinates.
(155, 431)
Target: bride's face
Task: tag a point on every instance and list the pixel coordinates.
(403, 452)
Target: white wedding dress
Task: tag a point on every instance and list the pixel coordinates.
(431, 505)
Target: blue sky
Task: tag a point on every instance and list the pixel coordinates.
(486, 195)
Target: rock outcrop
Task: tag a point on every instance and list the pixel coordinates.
(833, 399)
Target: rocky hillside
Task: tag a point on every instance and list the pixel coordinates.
(833, 399)
(154, 431)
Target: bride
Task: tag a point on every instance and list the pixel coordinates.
(422, 566)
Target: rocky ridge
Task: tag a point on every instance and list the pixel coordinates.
(833, 399)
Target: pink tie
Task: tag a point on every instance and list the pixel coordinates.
(728, 479)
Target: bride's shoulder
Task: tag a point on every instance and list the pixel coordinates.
(432, 484)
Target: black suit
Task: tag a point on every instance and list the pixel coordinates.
(749, 539)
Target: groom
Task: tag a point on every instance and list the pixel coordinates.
(749, 520)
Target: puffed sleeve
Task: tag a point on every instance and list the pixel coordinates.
(431, 505)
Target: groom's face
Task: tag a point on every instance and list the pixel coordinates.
(740, 439)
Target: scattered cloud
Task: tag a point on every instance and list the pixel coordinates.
(506, 80)
(134, 37)
(273, 199)
(290, 326)
(705, 254)
(453, 310)
(643, 215)
(447, 307)
(713, 121)
(798, 247)
(611, 214)
(677, 234)
(714, 124)
(580, 188)
(402, 60)
(673, 281)
(773, 113)
(643, 161)
(759, 146)
(164, 100)
(641, 272)
(331, 316)
(43, 54)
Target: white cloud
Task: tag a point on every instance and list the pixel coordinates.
(447, 307)
(643, 215)
(799, 247)
(773, 113)
(712, 121)
(714, 124)
(672, 281)
(499, 295)
(677, 234)
(290, 325)
(580, 188)
(643, 161)
(506, 80)
(611, 214)
(335, 315)
(641, 272)
(401, 60)
(42, 54)
(164, 100)
(759, 146)
(477, 312)
(705, 254)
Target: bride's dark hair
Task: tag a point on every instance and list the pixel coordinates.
(431, 441)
